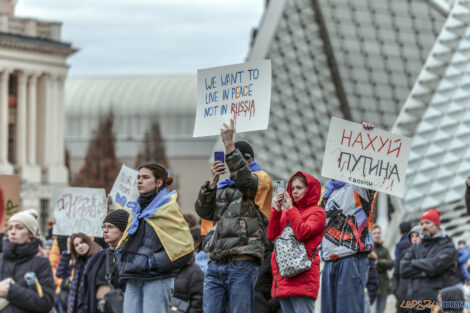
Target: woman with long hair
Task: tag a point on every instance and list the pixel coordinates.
(297, 206)
(26, 279)
(71, 265)
(156, 244)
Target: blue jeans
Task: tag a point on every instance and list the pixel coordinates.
(343, 283)
(380, 303)
(297, 305)
(148, 296)
(231, 283)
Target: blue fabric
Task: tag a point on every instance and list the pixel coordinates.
(162, 198)
(331, 186)
(297, 305)
(151, 296)
(464, 255)
(231, 283)
(87, 289)
(343, 283)
(254, 167)
(202, 260)
(403, 243)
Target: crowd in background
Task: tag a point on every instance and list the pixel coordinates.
(263, 253)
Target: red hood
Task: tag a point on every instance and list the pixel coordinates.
(312, 196)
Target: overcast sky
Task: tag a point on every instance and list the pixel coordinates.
(128, 37)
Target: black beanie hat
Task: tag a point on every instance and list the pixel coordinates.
(405, 227)
(118, 218)
(245, 149)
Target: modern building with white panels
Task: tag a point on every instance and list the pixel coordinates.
(398, 64)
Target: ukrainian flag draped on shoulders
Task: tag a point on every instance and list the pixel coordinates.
(165, 216)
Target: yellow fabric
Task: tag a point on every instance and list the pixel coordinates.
(171, 228)
(263, 199)
(54, 257)
(264, 195)
(39, 289)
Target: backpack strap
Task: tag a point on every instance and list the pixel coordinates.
(108, 271)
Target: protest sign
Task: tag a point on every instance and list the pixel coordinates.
(79, 210)
(374, 159)
(240, 91)
(125, 188)
(9, 198)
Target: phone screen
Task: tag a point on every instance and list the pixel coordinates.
(219, 156)
(280, 186)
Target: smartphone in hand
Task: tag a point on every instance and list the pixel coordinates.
(219, 156)
(280, 186)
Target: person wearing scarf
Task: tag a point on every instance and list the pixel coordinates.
(237, 245)
(19, 257)
(156, 244)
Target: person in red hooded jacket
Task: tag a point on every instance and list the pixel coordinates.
(308, 221)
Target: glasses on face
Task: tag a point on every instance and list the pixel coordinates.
(108, 227)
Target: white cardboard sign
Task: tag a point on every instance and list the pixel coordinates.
(125, 188)
(79, 210)
(374, 159)
(239, 91)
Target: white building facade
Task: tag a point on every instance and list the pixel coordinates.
(33, 70)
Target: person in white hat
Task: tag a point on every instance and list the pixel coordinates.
(25, 278)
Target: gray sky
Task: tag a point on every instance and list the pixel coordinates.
(122, 37)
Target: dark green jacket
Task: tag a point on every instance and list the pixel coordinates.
(384, 264)
(241, 227)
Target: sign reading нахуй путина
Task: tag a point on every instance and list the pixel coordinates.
(373, 159)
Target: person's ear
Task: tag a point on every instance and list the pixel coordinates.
(159, 183)
(248, 162)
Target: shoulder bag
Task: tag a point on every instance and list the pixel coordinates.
(291, 255)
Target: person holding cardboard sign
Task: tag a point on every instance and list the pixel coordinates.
(346, 244)
(156, 244)
(236, 243)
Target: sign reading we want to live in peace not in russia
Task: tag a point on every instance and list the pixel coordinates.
(373, 159)
(240, 91)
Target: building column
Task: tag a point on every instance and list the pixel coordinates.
(55, 170)
(32, 117)
(60, 122)
(31, 172)
(5, 166)
(20, 146)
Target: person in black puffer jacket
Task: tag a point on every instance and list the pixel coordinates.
(432, 264)
(156, 244)
(20, 257)
(189, 285)
(399, 285)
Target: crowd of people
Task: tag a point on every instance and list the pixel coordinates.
(257, 257)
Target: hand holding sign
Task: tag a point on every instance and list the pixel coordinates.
(368, 126)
